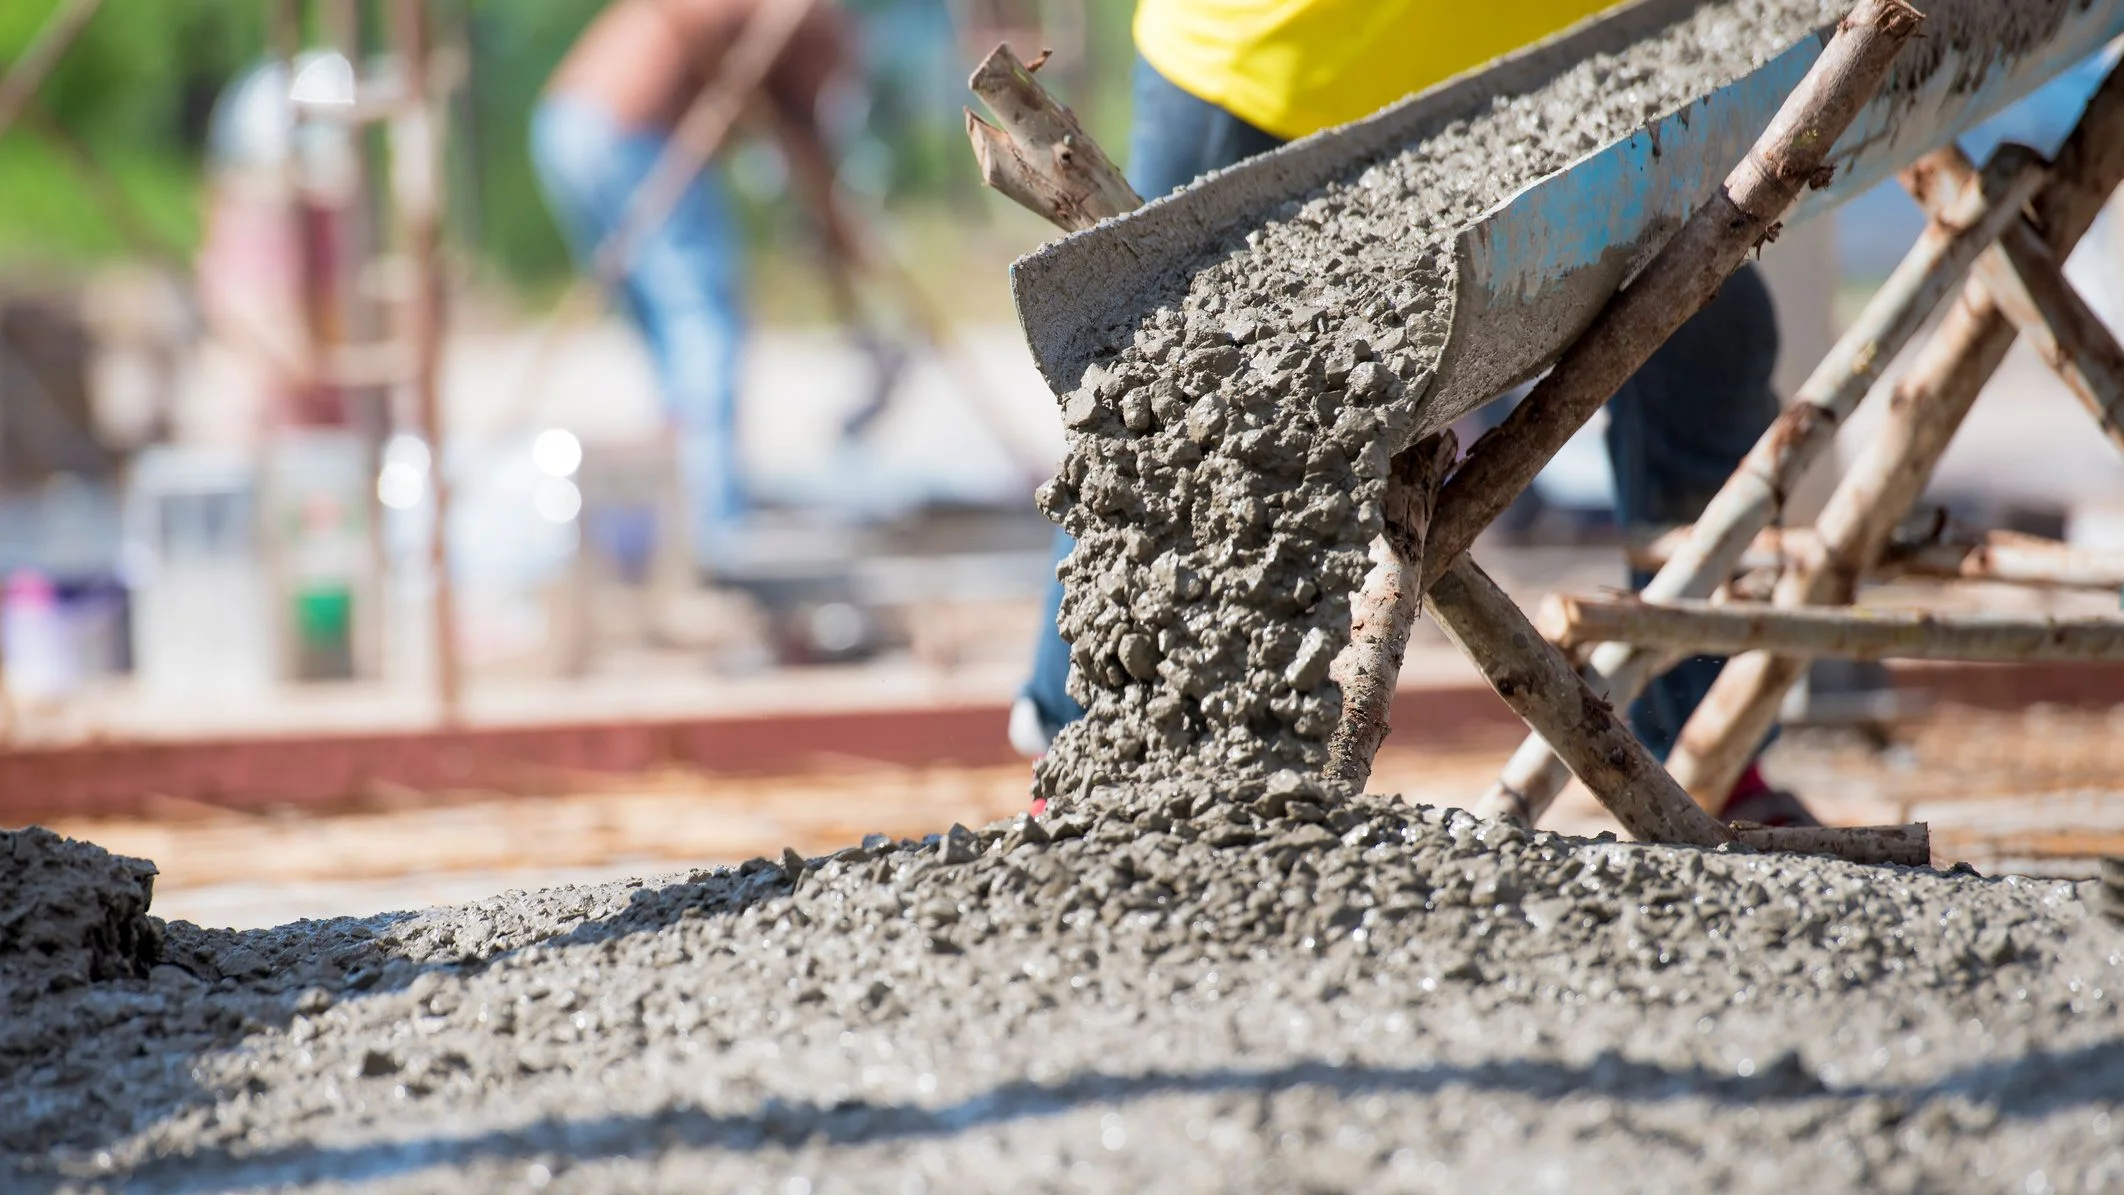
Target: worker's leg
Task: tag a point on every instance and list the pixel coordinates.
(686, 286)
(1676, 431)
(682, 294)
(1175, 139)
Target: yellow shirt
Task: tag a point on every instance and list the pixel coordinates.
(1292, 67)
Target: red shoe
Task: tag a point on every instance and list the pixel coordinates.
(1753, 800)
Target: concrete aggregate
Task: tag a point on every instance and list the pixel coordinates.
(1291, 994)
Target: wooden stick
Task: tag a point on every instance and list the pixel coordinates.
(1538, 682)
(416, 189)
(36, 61)
(1931, 400)
(1037, 153)
(1754, 496)
(1385, 609)
(2004, 556)
(2028, 283)
(701, 131)
(1901, 846)
(1708, 628)
(1681, 279)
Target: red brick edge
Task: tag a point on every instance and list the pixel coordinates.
(265, 772)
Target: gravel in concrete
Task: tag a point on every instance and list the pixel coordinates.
(1213, 996)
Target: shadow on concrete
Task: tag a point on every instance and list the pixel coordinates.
(2032, 1086)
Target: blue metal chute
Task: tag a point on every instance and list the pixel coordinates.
(1533, 271)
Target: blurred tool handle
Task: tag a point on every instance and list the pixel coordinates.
(701, 132)
(27, 73)
(1037, 153)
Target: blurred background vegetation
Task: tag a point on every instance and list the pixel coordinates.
(107, 161)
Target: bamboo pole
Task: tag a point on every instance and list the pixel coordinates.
(1037, 153)
(1728, 628)
(2003, 556)
(1931, 401)
(1900, 846)
(1385, 608)
(416, 185)
(2028, 283)
(1538, 682)
(1803, 433)
(1680, 280)
(701, 131)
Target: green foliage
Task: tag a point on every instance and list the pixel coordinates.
(144, 72)
(515, 45)
(134, 95)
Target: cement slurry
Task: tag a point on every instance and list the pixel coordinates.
(1212, 996)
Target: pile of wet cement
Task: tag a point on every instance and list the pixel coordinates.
(71, 913)
(1217, 996)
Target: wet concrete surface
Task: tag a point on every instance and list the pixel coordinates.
(1209, 996)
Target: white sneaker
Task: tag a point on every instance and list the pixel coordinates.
(1028, 734)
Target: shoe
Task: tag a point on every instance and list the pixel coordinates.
(1029, 735)
(1768, 807)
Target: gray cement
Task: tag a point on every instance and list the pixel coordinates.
(71, 914)
(1212, 996)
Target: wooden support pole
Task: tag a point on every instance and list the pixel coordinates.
(1930, 402)
(700, 132)
(416, 192)
(2003, 556)
(1900, 846)
(1538, 682)
(1037, 153)
(1711, 628)
(1680, 280)
(1385, 608)
(2028, 283)
(1754, 496)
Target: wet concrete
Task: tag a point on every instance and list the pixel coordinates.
(1210, 997)
(71, 913)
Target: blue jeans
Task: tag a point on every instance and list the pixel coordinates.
(1676, 429)
(682, 293)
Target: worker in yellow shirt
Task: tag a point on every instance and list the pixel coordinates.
(1218, 81)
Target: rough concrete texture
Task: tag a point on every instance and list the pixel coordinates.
(1227, 460)
(71, 913)
(1210, 997)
